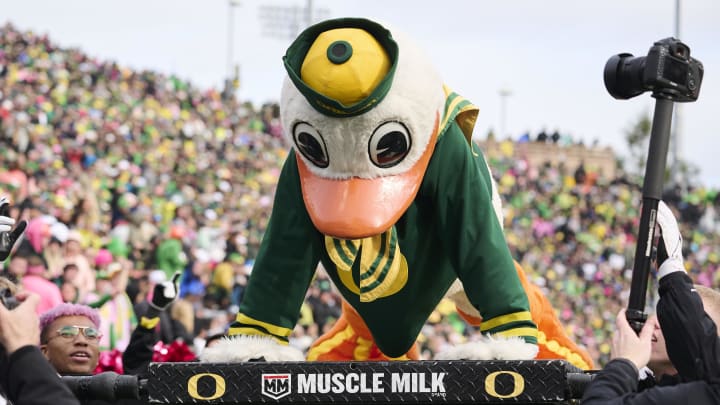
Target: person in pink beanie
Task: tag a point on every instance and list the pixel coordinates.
(34, 281)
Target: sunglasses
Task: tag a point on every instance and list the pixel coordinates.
(71, 331)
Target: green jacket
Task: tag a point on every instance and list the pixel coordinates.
(449, 231)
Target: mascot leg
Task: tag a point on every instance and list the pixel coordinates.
(553, 342)
(349, 339)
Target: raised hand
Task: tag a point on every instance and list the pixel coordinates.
(165, 293)
(669, 256)
(8, 235)
(629, 345)
(20, 327)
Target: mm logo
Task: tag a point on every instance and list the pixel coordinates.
(275, 386)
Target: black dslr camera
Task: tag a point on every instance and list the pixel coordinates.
(667, 70)
(671, 75)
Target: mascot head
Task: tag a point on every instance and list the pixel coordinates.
(362, 107)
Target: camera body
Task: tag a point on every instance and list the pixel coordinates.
(667, 70)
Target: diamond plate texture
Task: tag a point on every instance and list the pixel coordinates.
(412, 382)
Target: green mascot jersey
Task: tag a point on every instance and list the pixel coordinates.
(449, 231)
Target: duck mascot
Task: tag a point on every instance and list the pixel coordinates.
(386, 190)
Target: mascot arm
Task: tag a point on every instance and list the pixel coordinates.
(282, 273)
(477, 246)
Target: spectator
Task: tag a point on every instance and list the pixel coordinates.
(26, 377)
(691, 339)
(13, 179)
(70, 337)
(115, 307)
(662, 369)
(34, 281)
(542, 136)
(169, 329)
(171, 256)
(69, 292)
(555, 137)
(16, 267)
(53, 255)
(85, 278)
(140, 350)
(37, 236)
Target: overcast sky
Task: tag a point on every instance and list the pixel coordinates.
(549, 54)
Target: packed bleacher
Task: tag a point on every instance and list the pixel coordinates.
(127, 177)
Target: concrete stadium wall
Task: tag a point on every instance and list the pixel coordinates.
(595, 159)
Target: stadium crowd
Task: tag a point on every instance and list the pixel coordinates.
(128, 176)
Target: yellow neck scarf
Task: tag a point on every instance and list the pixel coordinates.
(383, 268)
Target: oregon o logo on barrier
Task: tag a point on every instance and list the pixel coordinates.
(192, 386)
(518, 384)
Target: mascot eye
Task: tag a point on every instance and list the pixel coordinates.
(311, 144)
(389, 144)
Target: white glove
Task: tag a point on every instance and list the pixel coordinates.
(165, 293)
(672, 242)
(8, 235)
(6, 223)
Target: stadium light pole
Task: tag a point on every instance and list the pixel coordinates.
(285, 22)
(230, 43)
(309, 10)
(676, 178)
(504, 94)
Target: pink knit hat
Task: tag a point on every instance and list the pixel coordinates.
(103, 257)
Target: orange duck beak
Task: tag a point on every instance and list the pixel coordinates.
(357, 208)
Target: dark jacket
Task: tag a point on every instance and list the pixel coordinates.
(169, 329)
(28, 379)
(139, 351)
(693, 347)
(123, 401)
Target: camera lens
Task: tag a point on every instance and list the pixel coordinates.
(7, 297)
(624, 76)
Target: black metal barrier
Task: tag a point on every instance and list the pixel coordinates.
(412, 382)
